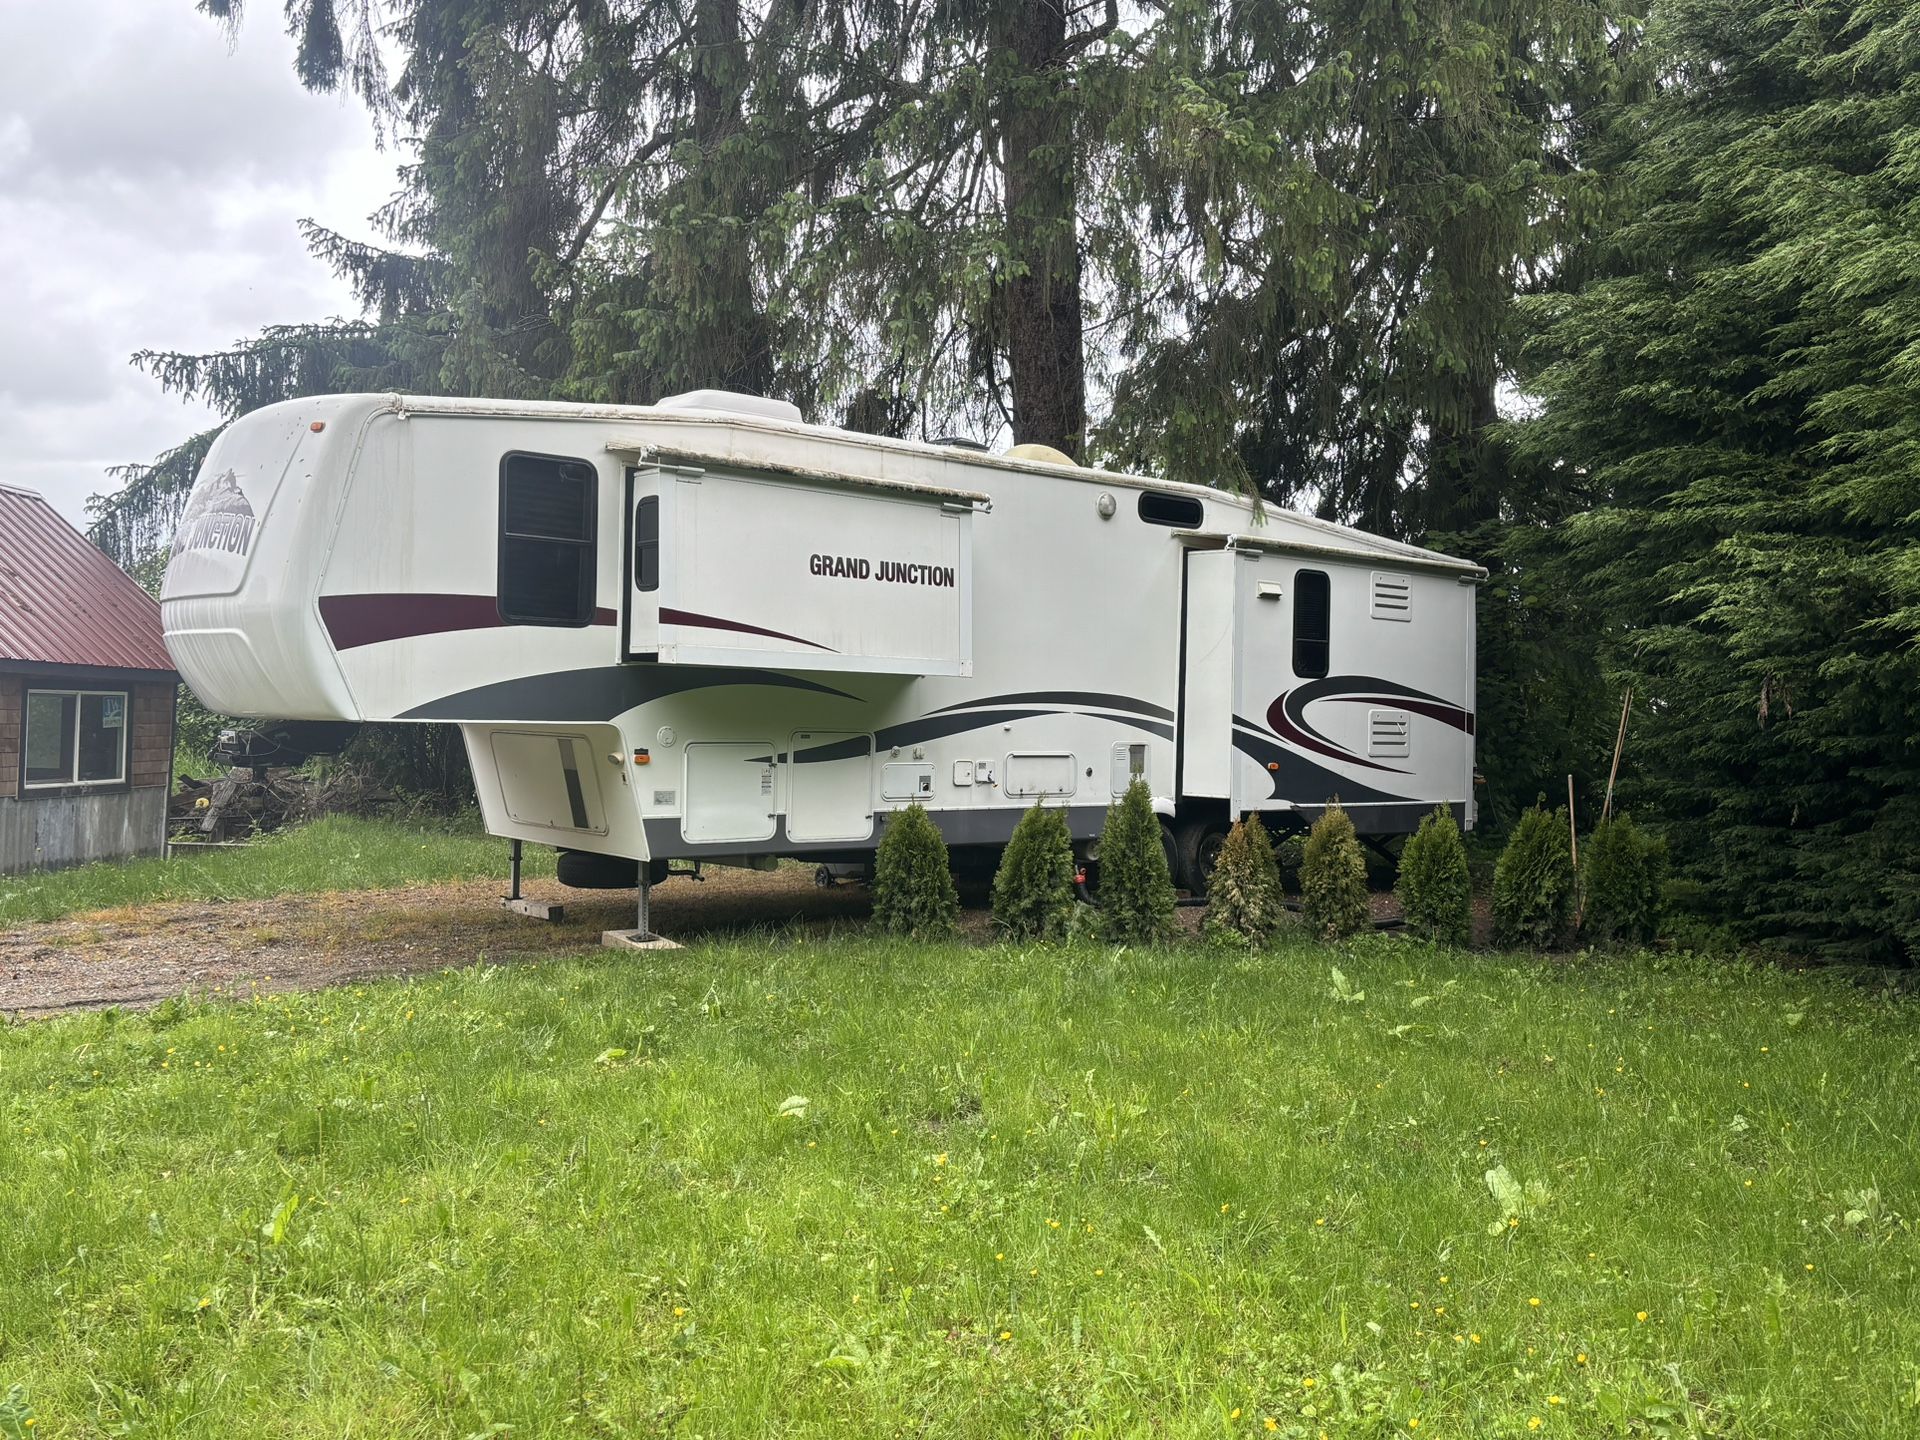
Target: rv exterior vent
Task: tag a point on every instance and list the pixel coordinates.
(1392, 597)
(759, 406)
(1389, 733)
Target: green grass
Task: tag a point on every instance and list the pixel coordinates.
(1174, 1193)
(332, 854)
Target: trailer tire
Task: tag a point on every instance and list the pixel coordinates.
(1197, 845)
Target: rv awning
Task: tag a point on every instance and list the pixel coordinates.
(1405, 559)
(647, 453)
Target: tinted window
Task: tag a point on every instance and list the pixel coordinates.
(547, 506)
(1312, 617)
(646, 543)
(1181, 511)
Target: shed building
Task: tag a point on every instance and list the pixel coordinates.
(87, 694)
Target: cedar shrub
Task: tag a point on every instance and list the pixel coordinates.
(1033, 896)
(1333, 877)
(1244, 898)
(1533, 882)
(1434, 887)
(1136, 892)
(913, 890)
(1622, 871)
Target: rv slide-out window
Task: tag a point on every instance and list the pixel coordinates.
(547, 513)
(1181, 511)
(1312, 619)
(646, 543)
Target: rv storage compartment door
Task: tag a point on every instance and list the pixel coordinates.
(800, 573)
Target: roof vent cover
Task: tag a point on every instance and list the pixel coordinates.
(759, 406)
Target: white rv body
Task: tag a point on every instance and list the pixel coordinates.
(782, 631)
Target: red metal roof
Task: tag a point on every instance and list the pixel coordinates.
(63, 602)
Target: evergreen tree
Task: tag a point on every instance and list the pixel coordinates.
(1333, 877)
(1533, 882)
(1033, 894)
(1244, 898)
(1734, 385)
(1435, 888)
(1136, 891)
(913, 889)
(1621, 872)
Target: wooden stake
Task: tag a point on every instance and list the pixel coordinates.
(1573, 836)
(1619, 743)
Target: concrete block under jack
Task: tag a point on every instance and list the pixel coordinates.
(637, 940)
(551, 910)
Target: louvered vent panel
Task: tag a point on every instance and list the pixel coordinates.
(1389, 734)
(1392, 596)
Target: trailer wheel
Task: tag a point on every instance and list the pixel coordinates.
(1196, 848)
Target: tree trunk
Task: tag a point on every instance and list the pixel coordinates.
(730, 346)
(1042, 289)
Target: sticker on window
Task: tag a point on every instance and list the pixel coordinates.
(112, 712)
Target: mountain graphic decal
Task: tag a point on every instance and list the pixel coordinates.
(218, 517)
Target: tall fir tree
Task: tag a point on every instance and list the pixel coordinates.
(1736, 385)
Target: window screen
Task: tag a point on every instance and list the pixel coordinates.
(547, 510)
(646, 543)
(1312, 616)
(1181, 511)
(75, 737)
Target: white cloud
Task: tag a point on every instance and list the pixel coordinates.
(150, 179)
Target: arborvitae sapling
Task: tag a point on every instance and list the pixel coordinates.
(1333, 877)
(913, 890)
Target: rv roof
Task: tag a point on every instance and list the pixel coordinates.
(876, 450)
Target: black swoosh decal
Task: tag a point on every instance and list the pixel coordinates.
(581, 696)
(1296, 778)
(1063, 697)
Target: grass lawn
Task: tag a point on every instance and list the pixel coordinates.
(336, 853)
(862, 1187)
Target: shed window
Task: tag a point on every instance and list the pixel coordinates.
(646, 543)
(1180, 511)
(75, 737)
(548, 505)
(1312, 619)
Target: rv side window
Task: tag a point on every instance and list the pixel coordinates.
(646, 543)
(1312, 616)
(1181, 511)
(547, 505)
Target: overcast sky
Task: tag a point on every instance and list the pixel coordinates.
(150, 178)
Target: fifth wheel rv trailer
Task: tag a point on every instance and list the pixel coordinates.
(705, 631)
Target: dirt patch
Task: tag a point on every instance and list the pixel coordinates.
(140, 955)
(135, 956)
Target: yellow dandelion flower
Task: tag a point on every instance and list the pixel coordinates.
(1413, 1422)
(1641, 1316)
(1226, 1207)
(1474, 1338)
(1006, 1334)
(679, 1311)
(1534, 1422)
(1555, 1400)
(1234, 1414)
(1308, 1383)
(999, 1254)
(940, 1159)
(1809, 1265)
(1272, 1424)
(1534, 1300)
(1580, 1359)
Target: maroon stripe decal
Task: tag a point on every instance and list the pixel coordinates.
(669, 616)
(356, 620)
